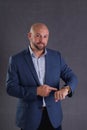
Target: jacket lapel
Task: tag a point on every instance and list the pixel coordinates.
(31, 65)
(47, 68)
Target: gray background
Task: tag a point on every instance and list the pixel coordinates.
(67, 22)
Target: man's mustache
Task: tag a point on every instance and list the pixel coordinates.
(40, 43)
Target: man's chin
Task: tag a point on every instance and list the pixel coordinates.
(40, 48)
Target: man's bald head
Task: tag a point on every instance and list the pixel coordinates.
(36, 26)
(38, 36)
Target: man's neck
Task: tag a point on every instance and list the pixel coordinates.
(38, 53)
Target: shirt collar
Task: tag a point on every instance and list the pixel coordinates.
(32, 53)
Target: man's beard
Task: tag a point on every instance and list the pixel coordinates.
(40, 46)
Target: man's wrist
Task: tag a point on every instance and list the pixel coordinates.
(68, 89)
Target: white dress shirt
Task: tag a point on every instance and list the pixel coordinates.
(39, 64)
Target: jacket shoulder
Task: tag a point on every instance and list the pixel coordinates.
(53, 52)
(20, 54)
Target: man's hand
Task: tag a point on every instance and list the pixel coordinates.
(44, 90)
(61, 94)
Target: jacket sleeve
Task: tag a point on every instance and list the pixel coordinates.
(68, 76)
(13, 86)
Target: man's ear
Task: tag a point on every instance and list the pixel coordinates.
(29, 35)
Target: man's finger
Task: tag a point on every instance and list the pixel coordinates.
(54, 89)
(56, 96)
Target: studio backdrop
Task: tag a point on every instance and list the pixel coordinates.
(67, 22)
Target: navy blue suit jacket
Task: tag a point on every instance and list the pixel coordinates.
(22, 82)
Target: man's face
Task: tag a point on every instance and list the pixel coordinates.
(39, 38)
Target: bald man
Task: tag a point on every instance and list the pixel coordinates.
(33, 77)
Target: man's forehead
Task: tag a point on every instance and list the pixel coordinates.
(39, 27)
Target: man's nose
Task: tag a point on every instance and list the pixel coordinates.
(41, 38)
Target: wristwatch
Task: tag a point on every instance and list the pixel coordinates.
(68, 88)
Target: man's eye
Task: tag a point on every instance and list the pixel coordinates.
(37, 35)
(45, 36)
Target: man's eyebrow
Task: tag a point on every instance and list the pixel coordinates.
(38, 33)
